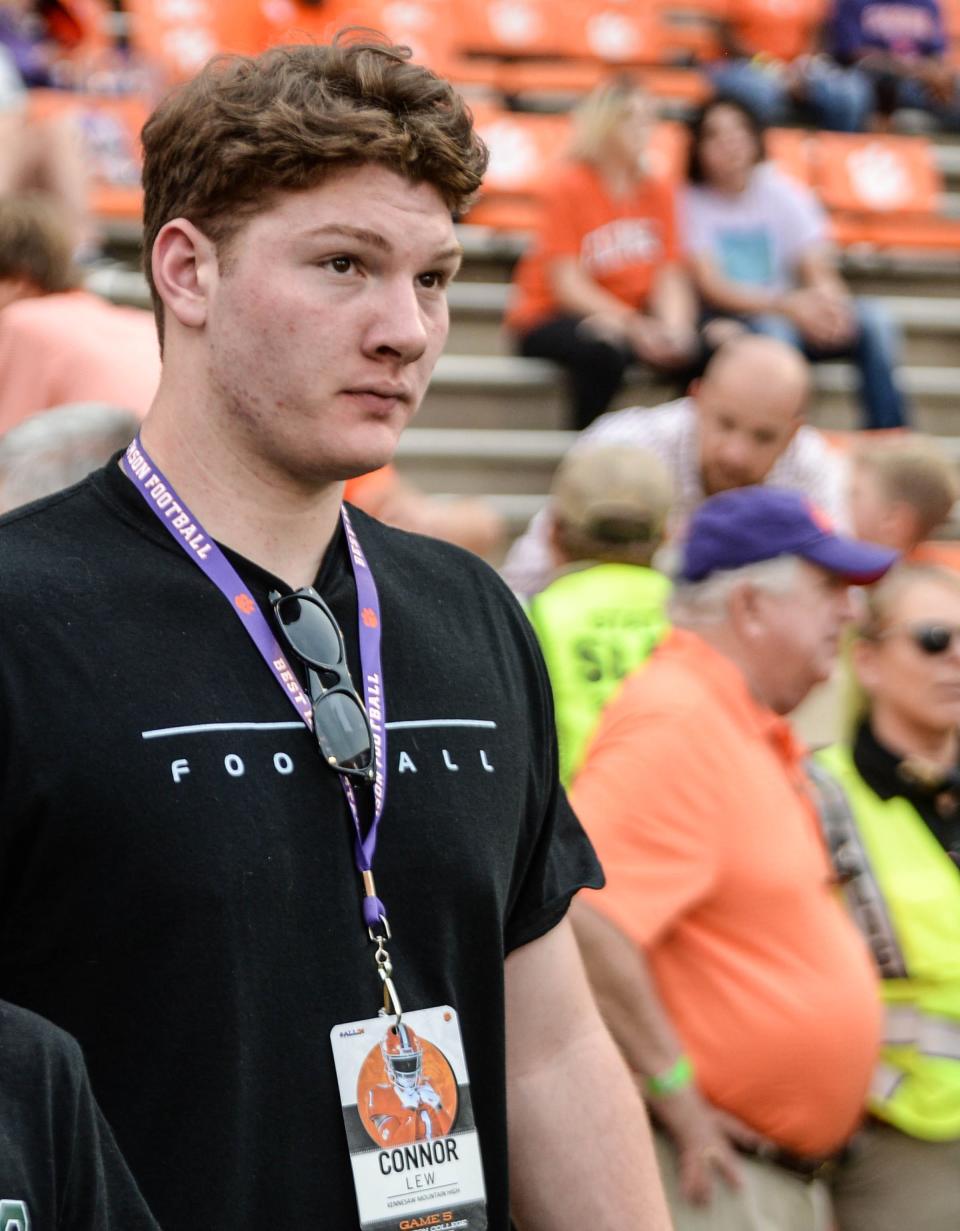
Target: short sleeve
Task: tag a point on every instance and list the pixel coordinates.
(800, 217)
(559, 860)
(695, 233)
(641, 796)
(100, 1192)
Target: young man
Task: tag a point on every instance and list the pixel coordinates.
(190, 894)
(60, 1169)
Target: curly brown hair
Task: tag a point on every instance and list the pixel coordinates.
(222, 147)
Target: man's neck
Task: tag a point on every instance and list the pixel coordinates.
(939, 748)
(241, 502)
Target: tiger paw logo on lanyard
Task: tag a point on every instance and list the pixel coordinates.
(13, 1215)
(408, 1115)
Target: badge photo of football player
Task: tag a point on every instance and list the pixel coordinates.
(418, 1102)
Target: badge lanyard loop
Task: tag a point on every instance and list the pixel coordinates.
(163, 501)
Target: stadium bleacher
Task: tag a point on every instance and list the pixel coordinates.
(493, 423)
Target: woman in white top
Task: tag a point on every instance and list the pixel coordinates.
(760, 252)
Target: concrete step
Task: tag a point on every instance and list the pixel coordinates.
(930, 324)
(497, 391)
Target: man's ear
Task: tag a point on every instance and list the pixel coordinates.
(743, 610)
(185, 271)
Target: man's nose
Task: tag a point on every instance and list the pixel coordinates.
(734, 453)
(398, 326)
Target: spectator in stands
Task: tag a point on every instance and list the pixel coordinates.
(760, 252)
(901, 493)
(48, 154)
(770, 66)
(897, 51)
(900, 819)
(742, 424)
(738, 989)
(60, 344)
(601, 286)
(605, 609)
(49, 452)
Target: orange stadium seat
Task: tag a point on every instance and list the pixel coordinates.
(425, 26)
(883, 191)
(792, 149)
(523, 147)
(516, 28)
(181, 37)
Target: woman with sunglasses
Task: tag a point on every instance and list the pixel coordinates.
(898, 855)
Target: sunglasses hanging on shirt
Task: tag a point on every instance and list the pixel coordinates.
(340, 721)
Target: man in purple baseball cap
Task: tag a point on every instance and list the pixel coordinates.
(731, 977)
(750, 524)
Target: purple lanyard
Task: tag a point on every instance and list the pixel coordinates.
(189, 534)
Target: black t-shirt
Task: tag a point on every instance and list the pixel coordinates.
(60, 1169)
(177, 876)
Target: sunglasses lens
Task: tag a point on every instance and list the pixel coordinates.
(343, 731)
(933, 638)
(309, 630)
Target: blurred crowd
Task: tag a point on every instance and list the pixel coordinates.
(776, 947)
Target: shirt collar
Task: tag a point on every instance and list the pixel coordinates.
(727, 683)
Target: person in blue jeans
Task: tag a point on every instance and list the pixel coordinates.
(759, 250)
(769, 62)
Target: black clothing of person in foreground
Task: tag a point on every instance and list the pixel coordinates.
(179, 884)
(60, 1169)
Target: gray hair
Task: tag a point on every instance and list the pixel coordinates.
(60, 447)
(695, 603)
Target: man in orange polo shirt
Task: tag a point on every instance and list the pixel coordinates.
(740, 993)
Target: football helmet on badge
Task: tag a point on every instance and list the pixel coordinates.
(403, 1055)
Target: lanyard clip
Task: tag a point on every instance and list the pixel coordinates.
(391, 1001)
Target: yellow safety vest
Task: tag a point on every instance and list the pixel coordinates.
(595, 625)
(904, 890)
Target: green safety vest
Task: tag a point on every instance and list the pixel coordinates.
(595, 625)
(904, 891)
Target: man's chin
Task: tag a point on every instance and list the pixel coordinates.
(717, 483)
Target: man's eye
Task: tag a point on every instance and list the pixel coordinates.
(434, 280)
(340, 264)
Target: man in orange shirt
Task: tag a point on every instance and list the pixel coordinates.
(741, 994)
(58, 343)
